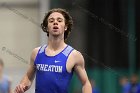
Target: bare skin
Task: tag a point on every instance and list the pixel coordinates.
(55, 45)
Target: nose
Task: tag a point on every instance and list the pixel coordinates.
(55, 22)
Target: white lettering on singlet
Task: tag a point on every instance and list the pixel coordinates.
(49, 68)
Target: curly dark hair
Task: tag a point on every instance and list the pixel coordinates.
(68, 21)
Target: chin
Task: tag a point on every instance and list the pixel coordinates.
(56, 35)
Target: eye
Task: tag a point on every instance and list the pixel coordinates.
(59, 19)
(51, 20)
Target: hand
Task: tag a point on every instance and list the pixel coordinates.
(21, 88)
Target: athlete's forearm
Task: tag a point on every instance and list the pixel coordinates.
(87, 88)
(26, 81)
(28, 77)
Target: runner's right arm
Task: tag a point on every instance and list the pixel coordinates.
(28, 78)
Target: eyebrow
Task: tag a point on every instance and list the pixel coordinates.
(57, 18)
(50, 18)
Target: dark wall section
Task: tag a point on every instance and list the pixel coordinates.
(138, 32)
(107, 32)
(101, 30)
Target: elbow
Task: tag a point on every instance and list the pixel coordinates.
(86, 83)
(87, 88)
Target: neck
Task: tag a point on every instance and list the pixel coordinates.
(55, 42)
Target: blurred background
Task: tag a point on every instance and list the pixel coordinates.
(106, 32)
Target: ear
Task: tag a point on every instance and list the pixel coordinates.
(47, 29)
(65, 28)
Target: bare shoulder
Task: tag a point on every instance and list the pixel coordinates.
(78, 57)
(34, 53)
(76, 53)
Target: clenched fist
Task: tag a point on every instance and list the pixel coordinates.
(21, 88)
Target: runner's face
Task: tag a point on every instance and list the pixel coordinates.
(56, 24)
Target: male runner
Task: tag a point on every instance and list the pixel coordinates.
(53, 64)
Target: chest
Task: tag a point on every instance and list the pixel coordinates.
(52, 64)
(59, 64)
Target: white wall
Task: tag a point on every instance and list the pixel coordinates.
(19, 35)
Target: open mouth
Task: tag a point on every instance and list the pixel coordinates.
(55, 27)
